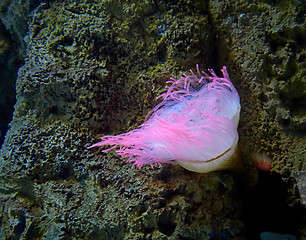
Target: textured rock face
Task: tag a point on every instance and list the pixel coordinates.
(274, 64)
(95, 68)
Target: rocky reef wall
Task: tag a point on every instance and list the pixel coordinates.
(95, 67)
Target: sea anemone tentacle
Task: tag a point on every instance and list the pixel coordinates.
(195, 126)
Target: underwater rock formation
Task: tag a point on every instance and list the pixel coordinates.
(95, 68)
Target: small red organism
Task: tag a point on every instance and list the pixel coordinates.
(262, 162)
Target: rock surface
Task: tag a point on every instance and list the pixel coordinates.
(95, 67)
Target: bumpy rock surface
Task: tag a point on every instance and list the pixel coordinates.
(95, 67)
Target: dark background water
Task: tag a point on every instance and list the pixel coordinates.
(11, 58)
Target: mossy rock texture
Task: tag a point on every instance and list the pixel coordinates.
(93, 68)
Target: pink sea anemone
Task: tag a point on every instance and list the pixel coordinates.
(195, 126)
